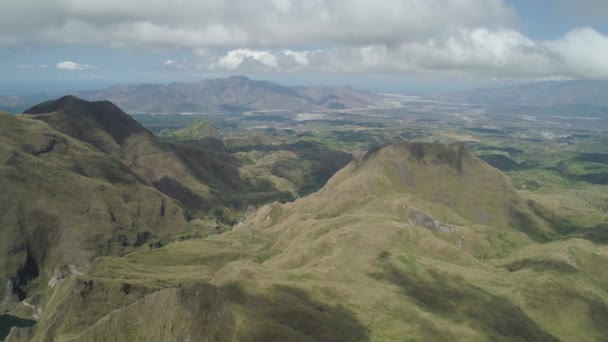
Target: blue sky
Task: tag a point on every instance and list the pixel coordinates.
(549, 19)
(407, 46)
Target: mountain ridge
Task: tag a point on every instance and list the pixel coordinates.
(65, 202)
(112, 131)
(228, 94)
(548, 93)
(349, 262)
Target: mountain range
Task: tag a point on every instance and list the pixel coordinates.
(239, 93)
(413, 240)
(550, 93)
(236, 93)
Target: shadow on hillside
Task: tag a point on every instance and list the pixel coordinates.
(454, 298)
(567, 229)
(285, 314)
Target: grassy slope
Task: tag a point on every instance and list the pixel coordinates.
(414, 242)
(196, 131)
(201, 174)
(114, 132)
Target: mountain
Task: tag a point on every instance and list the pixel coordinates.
(200, 177)
(337, 97)
(83, 179)
(63, 203)
(554, 93)
(414, 240)
(236, 93)
(112, 131)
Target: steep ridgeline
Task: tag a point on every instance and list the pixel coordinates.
(236, 93)
(64, 202)
(114, 132)
(413, 241)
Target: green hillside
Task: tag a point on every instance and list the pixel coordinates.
(202, 177)
(114, 132)
(63, 203)
(415, 241)
(198, 130)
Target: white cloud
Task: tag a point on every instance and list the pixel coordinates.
(171, 64)
(470, 37)
(72, 66)
(247, 60)
(237, 23)
(584, 53)
(235, 58)
(503, 53)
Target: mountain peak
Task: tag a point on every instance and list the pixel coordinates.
(453, 155)
(71, 101)
(442, 175)
(100, 123)
(53, 105)
(239, 78)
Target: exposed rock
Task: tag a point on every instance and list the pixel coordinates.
(419, 218)
(62, 273)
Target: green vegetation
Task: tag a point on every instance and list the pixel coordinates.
(403, 227)
(196, 131)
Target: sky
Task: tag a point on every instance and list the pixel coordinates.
(386, 45)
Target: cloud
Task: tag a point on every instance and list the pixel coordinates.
(243, 60)
(237, 23)
(72, 66)
(503, 53)
(464, 37)
(583, 52)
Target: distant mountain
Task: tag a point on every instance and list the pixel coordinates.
(590, 93)
(236, 93)
(337, 97)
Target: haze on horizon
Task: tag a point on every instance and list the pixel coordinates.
(385, 45)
